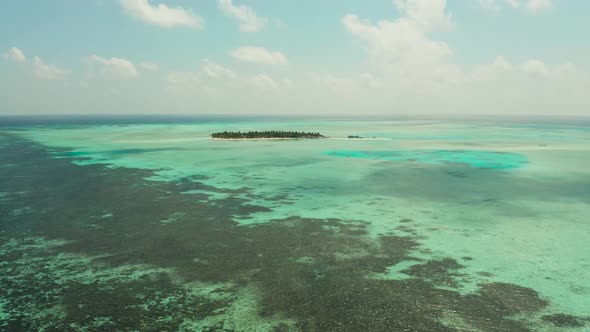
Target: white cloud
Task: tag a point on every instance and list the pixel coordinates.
(402, 49)
(263, 81)
(259, 55)
(246, 17)
(533, 6)
(40, 69)
(537, 6)
(513, 3)
(490, 71)
(501, 63)
(427, 13)
(539, 68)
(489, 5)
(214, 70)
(115, 67)
(48, 72)
(409, 59)
(161, 14)
(370, 80)
(216, 80)
(150, 66)
(15, 54)
(182, 77)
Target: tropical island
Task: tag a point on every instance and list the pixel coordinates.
(268, 134)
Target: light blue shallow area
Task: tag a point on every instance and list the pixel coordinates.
(478, 159)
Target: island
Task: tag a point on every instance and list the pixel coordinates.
(268, 134)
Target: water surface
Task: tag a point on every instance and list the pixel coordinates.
(430, 226)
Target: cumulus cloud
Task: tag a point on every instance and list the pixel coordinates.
(213, 78)
(214, 70)
(532, 6)
(402, 48)
(15, 54)
(149, 66)
(161, 15)
(48, 72)
(182, 78)
(245, 16)
(489, 4)
(491, 71)
(408, 57)
(533, 67)
(539, 68)
(427, 13)
(264, 81)
(513, 3)
(370, 80)
(536, 6)
(115, 67)
(40, 69)
(259, 55)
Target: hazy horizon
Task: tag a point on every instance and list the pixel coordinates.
(9, 120)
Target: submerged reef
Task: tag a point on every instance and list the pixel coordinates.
(91, 252)
(565, 320)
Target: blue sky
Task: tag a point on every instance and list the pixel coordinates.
(289, 57)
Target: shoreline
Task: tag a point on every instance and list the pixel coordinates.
(266, 138)
(301, 138)
(263, 139)
(361, 139)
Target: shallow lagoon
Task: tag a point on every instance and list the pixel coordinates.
(478, 159)
(497, 204)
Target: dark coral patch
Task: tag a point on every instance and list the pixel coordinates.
(314, 271)
(442, 272)
(564, 320)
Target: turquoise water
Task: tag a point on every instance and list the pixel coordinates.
(508, 204)
(479, 159)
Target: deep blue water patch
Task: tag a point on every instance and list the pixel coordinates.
(473, 158)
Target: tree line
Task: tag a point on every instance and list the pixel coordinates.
(266, 134)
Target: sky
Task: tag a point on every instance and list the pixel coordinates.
(288, 57)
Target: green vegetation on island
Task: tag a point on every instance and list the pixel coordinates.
(265, 134)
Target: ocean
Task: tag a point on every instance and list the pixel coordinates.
(146, 224)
